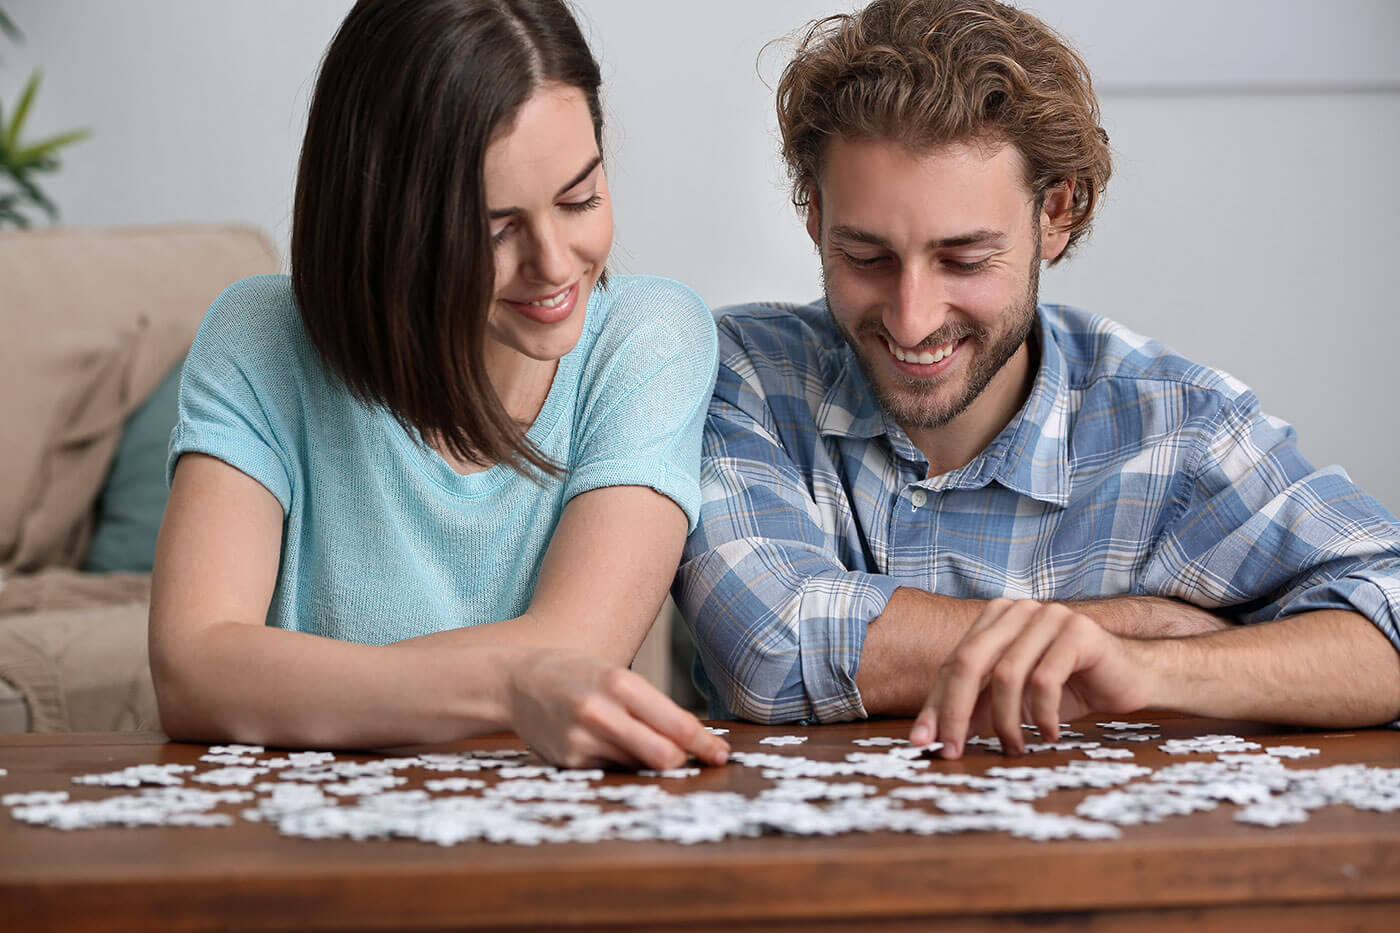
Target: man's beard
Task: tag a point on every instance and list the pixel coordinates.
(913, 403)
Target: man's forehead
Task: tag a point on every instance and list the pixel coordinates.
(862, 160)
(868, 187)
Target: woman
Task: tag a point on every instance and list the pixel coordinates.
(445, 417)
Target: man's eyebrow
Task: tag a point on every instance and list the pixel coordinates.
(974, 238)
(588, 170)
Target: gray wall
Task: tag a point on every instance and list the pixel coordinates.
(1250, 222)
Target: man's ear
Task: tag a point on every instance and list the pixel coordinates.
(814, 217)
(1055, 213)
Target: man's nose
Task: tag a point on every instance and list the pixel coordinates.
(549, 263)
(919, 308)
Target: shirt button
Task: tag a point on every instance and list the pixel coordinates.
(918, 497)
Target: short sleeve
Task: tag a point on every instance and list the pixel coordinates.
(237, 387)
(644, 392)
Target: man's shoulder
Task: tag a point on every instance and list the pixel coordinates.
(787, 354)
(1098, 350)
(795, 338)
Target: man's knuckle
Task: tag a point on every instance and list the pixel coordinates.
(965, 662)
(1005, 675)
(1079, 623)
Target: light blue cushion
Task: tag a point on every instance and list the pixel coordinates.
(132, 500)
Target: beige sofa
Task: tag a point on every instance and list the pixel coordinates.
(91, 321)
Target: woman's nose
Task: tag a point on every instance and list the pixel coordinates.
(549, 262)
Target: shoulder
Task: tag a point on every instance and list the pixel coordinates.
(647, 330)
(1100, 351)
(781, 348)
(770, 329)
(253, 347)
(670, 314)
(254, 318)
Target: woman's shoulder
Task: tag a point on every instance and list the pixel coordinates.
(255, 324)
(659, 311)
(253, 316)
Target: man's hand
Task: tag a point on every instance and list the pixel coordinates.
(1029, 661)
(917, 633)
(577, 711)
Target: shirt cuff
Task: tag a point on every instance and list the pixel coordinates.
(834, 611)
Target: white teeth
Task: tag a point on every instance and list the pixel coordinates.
(924, 357)
(553, 302)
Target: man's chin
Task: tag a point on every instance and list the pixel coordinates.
(922, 410)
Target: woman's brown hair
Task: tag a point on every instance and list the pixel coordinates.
(926, 73)
(391, 252)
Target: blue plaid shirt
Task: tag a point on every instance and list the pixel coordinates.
(1129, 470)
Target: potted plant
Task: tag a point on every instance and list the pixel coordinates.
(22, 162)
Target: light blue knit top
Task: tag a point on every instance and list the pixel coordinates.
(382, 539)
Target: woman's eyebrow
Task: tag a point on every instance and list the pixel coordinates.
(588, 170)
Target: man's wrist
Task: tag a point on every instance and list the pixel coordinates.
(1150, 617)
(1162, 663)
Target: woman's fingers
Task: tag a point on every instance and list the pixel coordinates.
(659, 713)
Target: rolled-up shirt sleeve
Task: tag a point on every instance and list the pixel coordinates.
(778, 617)
(1264, 534)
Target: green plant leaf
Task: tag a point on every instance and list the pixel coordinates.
(14, 217)
(8, 27)
(33, 154)
(36, 194)
(26, 100)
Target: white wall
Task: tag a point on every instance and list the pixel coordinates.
(1250, 222)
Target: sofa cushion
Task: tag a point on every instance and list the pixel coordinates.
(93, 320)
(73, 646)
(132, 500)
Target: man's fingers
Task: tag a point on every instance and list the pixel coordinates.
(1047, 682)
(1009, 676)
(658, 712)
(967, 670)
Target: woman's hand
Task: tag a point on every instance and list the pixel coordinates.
(577, 711)
(1029, 661)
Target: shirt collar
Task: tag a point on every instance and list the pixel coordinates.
(1030, 455)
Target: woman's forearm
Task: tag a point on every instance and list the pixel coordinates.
(233, 681)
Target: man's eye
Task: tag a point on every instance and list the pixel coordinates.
(863, 262)
(977, 266)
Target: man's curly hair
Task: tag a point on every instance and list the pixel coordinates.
(927, 73)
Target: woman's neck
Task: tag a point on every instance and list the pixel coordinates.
(521, 383)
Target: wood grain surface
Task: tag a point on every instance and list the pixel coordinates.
(1339, 870)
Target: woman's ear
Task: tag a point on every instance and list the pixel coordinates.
(1055, 219)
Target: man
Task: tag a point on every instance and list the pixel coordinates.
(929, 495)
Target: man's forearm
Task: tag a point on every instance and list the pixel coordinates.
(910, 640)
(1330, 669)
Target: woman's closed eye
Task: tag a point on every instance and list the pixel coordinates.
(588, 204)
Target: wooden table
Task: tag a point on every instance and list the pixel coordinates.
(1339, 870)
